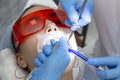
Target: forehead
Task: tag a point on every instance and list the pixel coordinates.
(34, 8)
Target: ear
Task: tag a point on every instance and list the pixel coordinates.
(21, 61)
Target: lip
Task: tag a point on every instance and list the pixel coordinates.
(57, 39)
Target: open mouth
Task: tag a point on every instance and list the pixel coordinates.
(45, 39)
(48, 41)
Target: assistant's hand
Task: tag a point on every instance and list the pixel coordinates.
(72, 8)
(111, 62)
(52, 63)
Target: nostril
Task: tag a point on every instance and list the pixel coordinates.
(52, 29)
(55, 29)
(49, 30)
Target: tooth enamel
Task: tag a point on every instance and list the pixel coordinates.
(48, 42)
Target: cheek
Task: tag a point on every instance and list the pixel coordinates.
(71, 64)
(30, 52)
(72, 43)
(30, 58)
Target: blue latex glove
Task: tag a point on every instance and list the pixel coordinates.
(111, 62)
(51, 63)
(72, 8)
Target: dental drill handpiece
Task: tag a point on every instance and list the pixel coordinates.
(83, 57)
(80, 13)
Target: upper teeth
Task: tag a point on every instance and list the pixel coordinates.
(48, 41)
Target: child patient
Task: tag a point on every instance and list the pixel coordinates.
(36, 27)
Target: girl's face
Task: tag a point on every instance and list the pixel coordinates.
(29, 49)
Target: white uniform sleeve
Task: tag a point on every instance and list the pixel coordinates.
(107, 18)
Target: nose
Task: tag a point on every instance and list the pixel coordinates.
(50, 26)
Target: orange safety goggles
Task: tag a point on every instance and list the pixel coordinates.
(35, 22)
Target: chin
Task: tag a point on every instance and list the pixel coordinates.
(72, 45)
(71, 64)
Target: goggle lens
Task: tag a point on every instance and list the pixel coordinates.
(35, 22)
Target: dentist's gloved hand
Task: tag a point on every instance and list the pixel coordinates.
(51, 63)
(72, 8)
(111, 62)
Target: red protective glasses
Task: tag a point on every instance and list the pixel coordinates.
(35, 22)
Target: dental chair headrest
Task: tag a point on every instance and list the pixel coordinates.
(8, 65)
